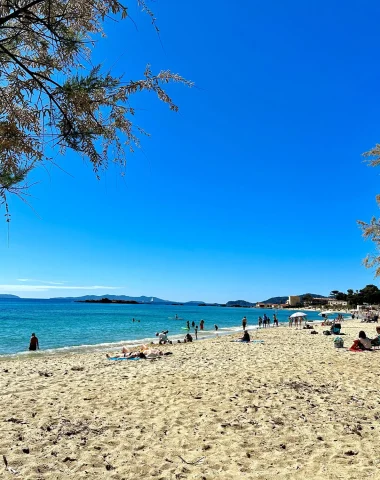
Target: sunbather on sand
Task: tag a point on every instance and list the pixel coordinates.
(362, 343)
(128, 355)
(244, 338)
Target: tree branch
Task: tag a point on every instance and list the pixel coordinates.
(17, 13)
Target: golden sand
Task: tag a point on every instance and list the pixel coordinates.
(293, 407)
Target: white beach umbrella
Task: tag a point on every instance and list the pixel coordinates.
(298, 314)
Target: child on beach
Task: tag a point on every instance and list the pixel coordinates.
(216, 327)
(260, 322)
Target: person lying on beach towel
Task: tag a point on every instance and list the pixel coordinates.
(144, 352)
(362, 343)
(128, 355)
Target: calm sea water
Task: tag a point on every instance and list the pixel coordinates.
(63, 326)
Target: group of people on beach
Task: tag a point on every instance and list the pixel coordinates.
(265, 321)
(296, 321)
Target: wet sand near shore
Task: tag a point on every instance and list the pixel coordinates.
(293, 407)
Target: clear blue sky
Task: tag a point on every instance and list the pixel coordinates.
(252, 190)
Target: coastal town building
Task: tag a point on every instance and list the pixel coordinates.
(338, 303)
(320, 301)
(293, 300)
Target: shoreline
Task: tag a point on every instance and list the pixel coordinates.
(105, 347)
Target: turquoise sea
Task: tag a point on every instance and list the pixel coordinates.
(64, 326)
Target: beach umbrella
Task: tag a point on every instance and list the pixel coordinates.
(298, 314)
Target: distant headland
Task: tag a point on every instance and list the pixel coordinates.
(273, 302)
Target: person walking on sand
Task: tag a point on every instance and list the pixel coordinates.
(275, 320)
(290, 322)
(196, 332)
(34, 345)
(244, 323)
(201, 324)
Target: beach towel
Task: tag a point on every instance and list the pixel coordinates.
(355, 347)
(124, 358)
(248, 341)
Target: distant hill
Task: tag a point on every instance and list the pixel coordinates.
(7, 295)
(141, 299)
(282, 300)
(240, 303)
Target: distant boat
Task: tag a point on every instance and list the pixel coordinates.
(152, 299)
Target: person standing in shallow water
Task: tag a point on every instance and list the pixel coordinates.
(244, 323)
(34, 345)
(201, 324)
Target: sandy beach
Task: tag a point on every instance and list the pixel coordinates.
(293, 407)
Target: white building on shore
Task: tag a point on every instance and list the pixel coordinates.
(293, 300)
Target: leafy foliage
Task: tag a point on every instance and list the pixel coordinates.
(370, 294)
(371, 230)
(52, 96)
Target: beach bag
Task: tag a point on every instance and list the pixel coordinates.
(327, 332)
(338, 342)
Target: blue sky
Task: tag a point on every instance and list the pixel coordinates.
(252, 190)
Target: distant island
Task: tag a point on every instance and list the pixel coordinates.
(125, 298)
(107, 300)
(7, 295)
